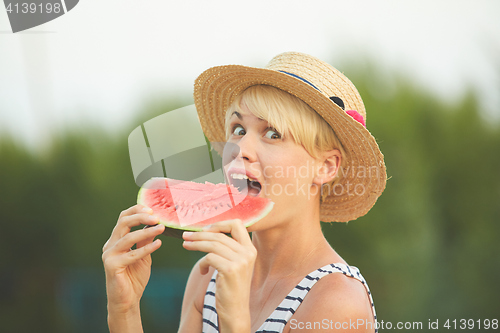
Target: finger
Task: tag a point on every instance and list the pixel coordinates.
(135, 210)
(146, 241)
(212, 247)
(127, 222)
(139, 236)
(134, 255)
(212, 260)
(119, 228)
(212, 236)
(105, 247)
(233, 227)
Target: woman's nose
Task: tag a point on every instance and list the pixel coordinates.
(245, 148)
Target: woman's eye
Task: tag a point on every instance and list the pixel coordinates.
(238, 130)
(272, 134)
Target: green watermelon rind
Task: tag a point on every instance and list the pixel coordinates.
(175, 230)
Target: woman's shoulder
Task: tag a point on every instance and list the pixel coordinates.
(336, 299)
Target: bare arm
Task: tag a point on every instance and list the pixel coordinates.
(128, 271)
(192, 303)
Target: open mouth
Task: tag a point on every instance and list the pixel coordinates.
(242, 182)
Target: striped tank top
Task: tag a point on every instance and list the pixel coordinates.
(282, 314)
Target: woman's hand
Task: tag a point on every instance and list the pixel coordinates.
(128, 271)
(234, 259)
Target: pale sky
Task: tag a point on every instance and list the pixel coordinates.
(101, 61)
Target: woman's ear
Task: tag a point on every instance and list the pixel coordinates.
(329, 165)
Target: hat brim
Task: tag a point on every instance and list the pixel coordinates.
(364, 178)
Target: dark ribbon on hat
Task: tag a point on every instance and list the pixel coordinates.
(337, 100)
(302, 79)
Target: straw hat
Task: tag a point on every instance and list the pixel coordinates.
(331, 95)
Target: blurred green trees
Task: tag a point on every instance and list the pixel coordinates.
(428, 248)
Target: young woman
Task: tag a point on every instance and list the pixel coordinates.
(300, 128)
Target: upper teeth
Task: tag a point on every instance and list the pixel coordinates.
(241, 176)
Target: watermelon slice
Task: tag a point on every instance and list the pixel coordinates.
(188, 206)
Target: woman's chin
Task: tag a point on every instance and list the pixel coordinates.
(259, 225)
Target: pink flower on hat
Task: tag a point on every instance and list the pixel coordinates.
(359, 118)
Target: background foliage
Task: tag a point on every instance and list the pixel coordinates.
(428, 248)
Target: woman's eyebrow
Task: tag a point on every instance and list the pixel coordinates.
(240, 117)
(237, 114)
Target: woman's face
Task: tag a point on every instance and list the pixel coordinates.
(271, 164)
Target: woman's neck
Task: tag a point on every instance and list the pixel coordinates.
(288, 247)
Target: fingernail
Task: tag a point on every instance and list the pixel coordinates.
(187, 233)
(159, 226)
(147, 210)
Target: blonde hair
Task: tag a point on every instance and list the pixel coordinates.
(290, 115)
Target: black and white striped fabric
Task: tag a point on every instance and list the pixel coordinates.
(282, 314)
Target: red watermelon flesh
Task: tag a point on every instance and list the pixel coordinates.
(185, 205)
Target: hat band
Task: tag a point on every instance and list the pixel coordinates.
(302, 79)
